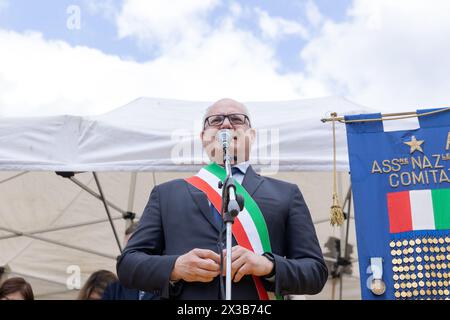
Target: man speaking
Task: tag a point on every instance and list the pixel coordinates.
(175, 247)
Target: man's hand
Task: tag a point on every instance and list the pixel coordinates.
(197, 265)
(245, 262)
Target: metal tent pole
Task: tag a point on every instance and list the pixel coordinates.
(131, 196)
(348, 202)
(59, 228)
(13, 177)
(31, 236)
(96, 195)
(102, 198)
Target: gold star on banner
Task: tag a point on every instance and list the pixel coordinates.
(415, 144)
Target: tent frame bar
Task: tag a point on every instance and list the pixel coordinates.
(59, 228)
(131, 196)
(125, 214)
(341, 262)
(58, 243)
(96, 195)
(97, 181)
(13, 177)
(385, 116)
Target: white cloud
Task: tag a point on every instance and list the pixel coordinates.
(40, 77)
(236, 9)
(164, 23)
(44, 77)
(276, 27)
(389, 55)
(206, 63)
(106, 8)
(313, 14)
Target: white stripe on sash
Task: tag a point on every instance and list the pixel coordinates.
(244, 217)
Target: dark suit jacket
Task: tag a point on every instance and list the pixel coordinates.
(178, 219)
(116, 291)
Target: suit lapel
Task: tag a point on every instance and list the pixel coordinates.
(202, 202)
(251, 181)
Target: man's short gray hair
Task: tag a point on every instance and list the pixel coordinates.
(245, 109)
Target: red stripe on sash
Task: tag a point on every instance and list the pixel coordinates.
(399, 208)
(216, 200)
(262, 293)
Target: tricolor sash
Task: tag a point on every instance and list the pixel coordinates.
(249, 229)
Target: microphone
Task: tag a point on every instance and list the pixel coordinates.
(231, 206)
(224, 138)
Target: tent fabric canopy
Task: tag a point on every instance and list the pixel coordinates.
(163, 135)
(50, 227)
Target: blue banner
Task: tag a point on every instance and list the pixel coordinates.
(401, 189)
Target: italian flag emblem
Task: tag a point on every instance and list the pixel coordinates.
(419, 210)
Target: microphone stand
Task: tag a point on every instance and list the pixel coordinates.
(232, 204)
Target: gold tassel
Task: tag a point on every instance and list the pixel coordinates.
(336, 214)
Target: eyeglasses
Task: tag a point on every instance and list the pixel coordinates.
(236, 119)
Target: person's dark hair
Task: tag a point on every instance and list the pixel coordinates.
(96, 283)
(131, 228)
(16, 284)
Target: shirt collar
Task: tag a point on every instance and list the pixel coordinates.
(243, 166)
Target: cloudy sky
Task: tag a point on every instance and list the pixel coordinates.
(88, 57)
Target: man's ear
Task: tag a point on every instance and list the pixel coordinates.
(252, 135)
(202, 136)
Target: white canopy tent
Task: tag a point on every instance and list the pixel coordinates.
(52, 226)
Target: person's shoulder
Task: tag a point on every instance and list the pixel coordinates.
(111, 290)
(172, 184)
(279, 183)
(113, 285)
(116, 291)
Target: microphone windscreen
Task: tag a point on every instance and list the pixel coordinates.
(224, 137)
